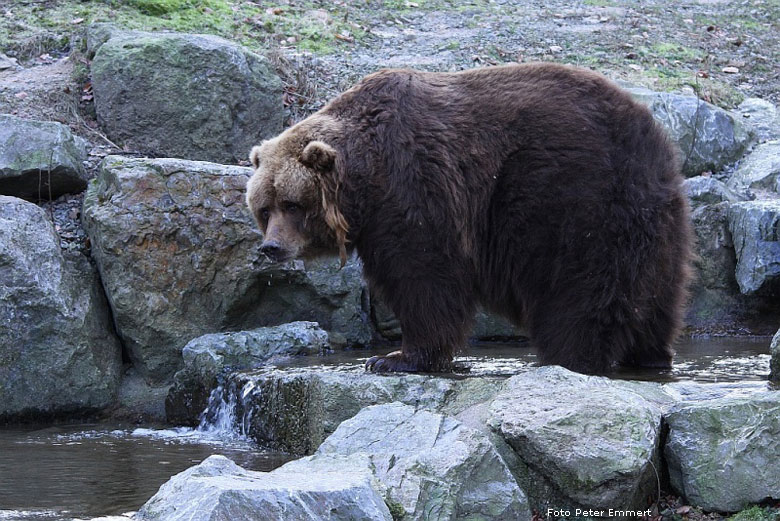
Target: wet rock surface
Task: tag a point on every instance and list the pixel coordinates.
(58, 351)
(210, 356)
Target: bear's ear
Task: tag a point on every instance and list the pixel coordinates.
(319, 156)
(254, 156)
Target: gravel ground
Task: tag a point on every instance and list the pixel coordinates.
(725, 50)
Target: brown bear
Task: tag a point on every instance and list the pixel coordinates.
(541, 191)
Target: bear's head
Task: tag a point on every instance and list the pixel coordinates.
(293, 193)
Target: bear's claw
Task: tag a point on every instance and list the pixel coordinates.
(390, 363)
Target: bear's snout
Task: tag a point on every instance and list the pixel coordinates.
(271, 249)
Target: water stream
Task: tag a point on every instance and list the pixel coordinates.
(84, 471)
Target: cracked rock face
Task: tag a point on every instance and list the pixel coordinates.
(179, 257)
(429, 464)
(58, 351)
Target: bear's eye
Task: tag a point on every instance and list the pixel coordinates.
(292, 208)
(264, 214)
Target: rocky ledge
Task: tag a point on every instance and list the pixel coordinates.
(492, 446)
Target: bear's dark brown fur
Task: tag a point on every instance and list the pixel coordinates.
(543, 192)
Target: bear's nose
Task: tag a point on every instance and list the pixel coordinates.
(270, 248)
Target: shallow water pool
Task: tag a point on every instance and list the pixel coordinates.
(83, 471)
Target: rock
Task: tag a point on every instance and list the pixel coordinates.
(99, 33)
(294, 410)
(774, 365)
(332, 489)
(704, 190)
(430, 465)
(7, 63)
(760, 170)
(762, 117)
(581, 442)
(717, 305)
(708, 137)
(724, 454)
(138, 402)
(715, 293)
(58, 352)
(179, 257)
(754, 226)
(184, 95)
(40, 159)
(208, 356)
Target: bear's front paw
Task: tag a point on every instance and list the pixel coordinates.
(391, 363)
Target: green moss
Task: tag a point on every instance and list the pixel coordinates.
(397, 511)
(159, 7)
(757, 513)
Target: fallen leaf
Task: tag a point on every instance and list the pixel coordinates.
(683, 510)
(730, 70)
(344, 38)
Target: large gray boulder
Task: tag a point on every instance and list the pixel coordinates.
(709, 138)
(758, 171)
(210, 356)
(724, 454)
(431, 466)
(40, 160)
(333, 489)
(179, 257)
(581, 442)
(753, 226)
(185, 95)
(58, 352)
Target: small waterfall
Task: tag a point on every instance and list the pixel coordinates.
(228, 413)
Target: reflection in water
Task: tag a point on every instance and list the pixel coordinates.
(83, 471)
